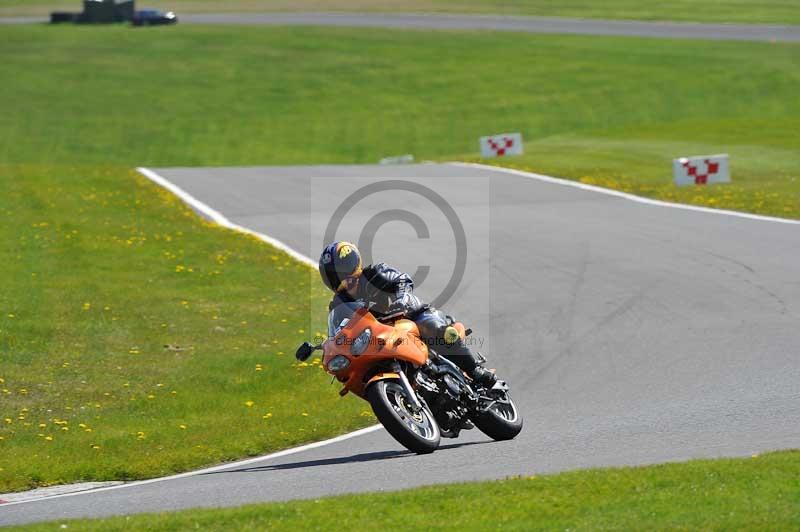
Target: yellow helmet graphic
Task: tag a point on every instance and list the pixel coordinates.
(345, 248)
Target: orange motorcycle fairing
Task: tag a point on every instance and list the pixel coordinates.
(400, 341)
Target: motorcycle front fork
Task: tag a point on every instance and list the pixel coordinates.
(412, 395)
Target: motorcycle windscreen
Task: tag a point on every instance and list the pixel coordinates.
(340, 316)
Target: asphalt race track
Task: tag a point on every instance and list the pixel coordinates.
(673, 30)
(630, 333)
(670, 30)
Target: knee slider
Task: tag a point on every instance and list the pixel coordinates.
(450, 335)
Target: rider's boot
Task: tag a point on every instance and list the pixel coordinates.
(469, 362)
(483, 376)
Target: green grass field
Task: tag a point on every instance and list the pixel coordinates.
(759, 493)
(611, 111)
(102, 270)
(137, 340)
(742, 11)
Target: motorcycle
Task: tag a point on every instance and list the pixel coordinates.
(416, 394)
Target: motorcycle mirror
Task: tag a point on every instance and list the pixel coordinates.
(305, 350)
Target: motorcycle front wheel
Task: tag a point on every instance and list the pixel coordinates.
(417, 432)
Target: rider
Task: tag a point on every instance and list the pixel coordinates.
(390, 294)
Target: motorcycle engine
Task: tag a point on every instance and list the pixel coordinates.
(452, 386)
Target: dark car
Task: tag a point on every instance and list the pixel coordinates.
(152, 17)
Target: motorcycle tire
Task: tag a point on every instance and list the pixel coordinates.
(418, 433)
(500, 422)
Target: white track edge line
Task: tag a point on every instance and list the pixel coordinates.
(212, 469)
(625, 195)
(221, 220)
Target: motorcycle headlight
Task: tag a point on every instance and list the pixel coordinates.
(361, 342)
(338, 363)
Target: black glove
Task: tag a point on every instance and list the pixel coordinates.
(396, 309)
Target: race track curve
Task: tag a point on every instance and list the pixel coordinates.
(631, 333)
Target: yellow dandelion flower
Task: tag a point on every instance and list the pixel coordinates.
(48, 438)
(304, 414)
(12, 316)
(82, 425)
(65, 428)
(249, 403)
(95, 447)
(151, 396)
(182, 427)
(42, 425)
(87, 306)
(9, 420)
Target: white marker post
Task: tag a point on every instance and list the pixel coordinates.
(701, 170)
(501, 145)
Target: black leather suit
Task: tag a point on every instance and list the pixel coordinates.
(390, 294)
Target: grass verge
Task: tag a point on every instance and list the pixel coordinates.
(742, 11)
(745, 493)
(610, 111)
(138, 340)
(97, 259)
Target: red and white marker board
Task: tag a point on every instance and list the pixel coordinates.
(701, 170)
(501, 145)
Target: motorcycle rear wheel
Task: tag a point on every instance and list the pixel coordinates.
(502, 421)
(417, 432)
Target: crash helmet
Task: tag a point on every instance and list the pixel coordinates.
(339, 260)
